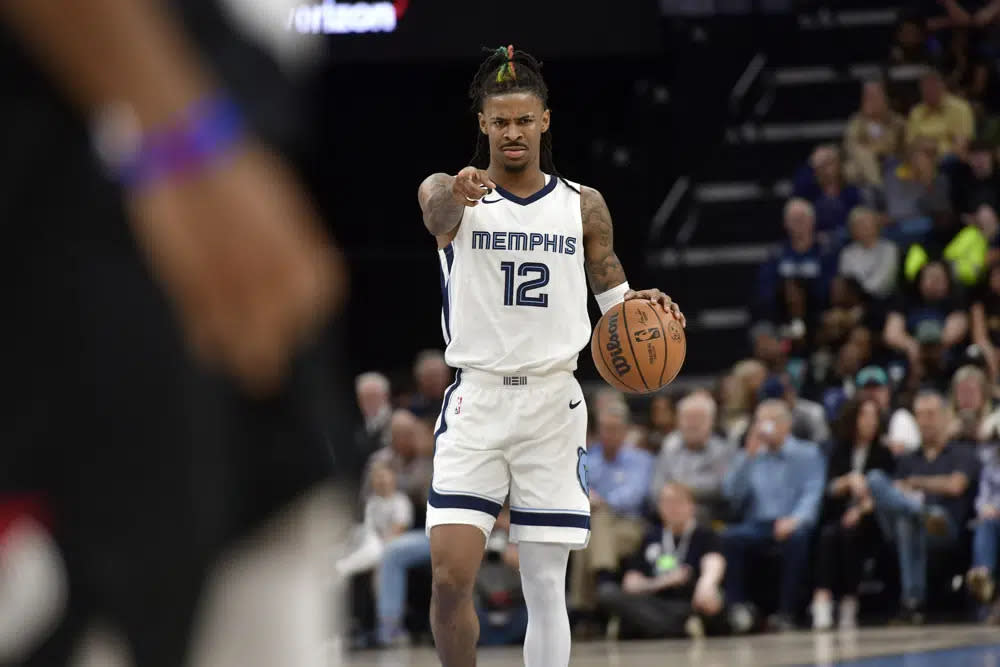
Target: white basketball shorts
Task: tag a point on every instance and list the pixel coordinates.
(523, 436)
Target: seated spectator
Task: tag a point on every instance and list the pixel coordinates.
(662, 421)
(618, 477)
(975, 181)
(868, 259)
(911, 44)
(822, 183)
(848, 311)
(739, 393)
(672, 582)
(797, 317)
(955, 17)
(967, 72)
(776, 483)
(985, 220)
(849, 532)
(940, 117)
(373, 394)
(902, 435)
(603, 399)
(836, 384)
(925, 504)
(408, 551)
(432, 376)
(695, 456)
(929, 321)
(981, 578)
(409, 455)
(808, 417)
(388, 514)
(971, 404)
(800, 258)
(985, 314)
(915, 194)
(874, 133)
(769, 347)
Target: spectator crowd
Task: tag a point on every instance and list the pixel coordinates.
(846, 469)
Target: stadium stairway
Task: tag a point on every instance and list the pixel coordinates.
(719, 223)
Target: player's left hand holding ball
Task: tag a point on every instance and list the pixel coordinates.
(665, 302)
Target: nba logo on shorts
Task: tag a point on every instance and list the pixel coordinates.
(581, 470)
(458, 405)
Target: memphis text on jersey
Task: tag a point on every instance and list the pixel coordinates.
(557, 243)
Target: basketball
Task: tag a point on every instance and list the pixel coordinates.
(637, 348)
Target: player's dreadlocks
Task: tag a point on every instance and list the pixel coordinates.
(505, 71)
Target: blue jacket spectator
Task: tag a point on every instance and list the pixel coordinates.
(800, 259)
(777, 485)
(821, 182)
(621, 476)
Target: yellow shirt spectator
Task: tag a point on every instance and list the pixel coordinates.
(947, 123)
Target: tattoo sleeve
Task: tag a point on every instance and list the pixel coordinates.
(604, 271)
(441, 212)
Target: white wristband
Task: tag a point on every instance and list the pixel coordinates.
(612, 297)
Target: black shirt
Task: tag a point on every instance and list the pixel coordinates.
(916, 309)
(842, 462)
(955, 457)
(662, 551)
(970, 192)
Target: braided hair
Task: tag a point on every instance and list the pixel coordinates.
(506, 70)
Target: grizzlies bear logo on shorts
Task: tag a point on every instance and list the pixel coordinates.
(581, 470)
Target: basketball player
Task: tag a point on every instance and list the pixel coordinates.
(517, 243)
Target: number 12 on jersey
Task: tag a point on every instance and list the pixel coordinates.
(520, 296)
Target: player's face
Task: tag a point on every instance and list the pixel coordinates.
(514, 122)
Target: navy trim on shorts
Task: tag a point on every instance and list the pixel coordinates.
(462, 502)
(443, 426)
(550, 519)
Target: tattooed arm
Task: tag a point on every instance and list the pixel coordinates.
(604, 270)
(443, 198)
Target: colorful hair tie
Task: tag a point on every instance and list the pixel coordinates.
(508, 67)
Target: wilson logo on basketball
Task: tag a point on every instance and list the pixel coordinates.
(646, 334)
(615, 347)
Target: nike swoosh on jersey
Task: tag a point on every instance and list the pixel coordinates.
(573, 405)
(490, 201)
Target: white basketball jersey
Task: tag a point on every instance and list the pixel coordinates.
(513, 283)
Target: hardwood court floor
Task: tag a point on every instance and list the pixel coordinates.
(932, 646)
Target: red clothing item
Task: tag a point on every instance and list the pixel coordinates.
(17, 506)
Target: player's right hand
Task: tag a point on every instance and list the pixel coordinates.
(242, 255)
(470, 185)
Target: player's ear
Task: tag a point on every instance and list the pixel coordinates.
(546, 118)
(482, 123)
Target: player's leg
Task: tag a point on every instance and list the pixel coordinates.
(543, 581)
(550, 510)
(470, 483)
(456, 553)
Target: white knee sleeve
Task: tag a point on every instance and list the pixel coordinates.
(543, 578)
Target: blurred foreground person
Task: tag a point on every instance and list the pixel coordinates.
(166, 284)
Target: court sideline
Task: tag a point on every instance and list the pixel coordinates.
(934, 646)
